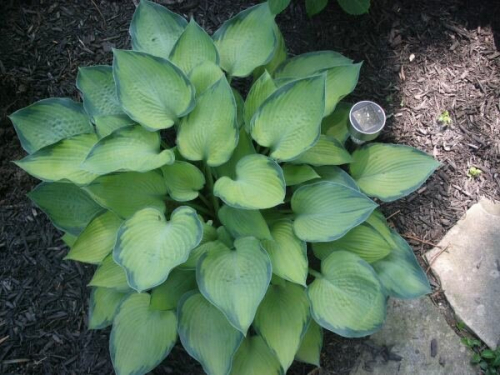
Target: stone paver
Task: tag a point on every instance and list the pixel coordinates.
(469, 270)
(416, 340)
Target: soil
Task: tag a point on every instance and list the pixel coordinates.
(420, 59)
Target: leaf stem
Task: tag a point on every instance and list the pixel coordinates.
(314, 273)
(199, 208)
(205, 201)
(210, 185)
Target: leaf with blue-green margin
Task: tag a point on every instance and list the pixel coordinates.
(311, 344)
(355, 7)
(128, 149)
(260, 91)
(183, 180)
(240, 103)
(167, 295)
(103, 306)
(151, 90)
(210, 131)
(193, 47)
(110, 275)
(335, 174)
(259, 184)
(155, 29)
(126, 193)
(69, 239)
(61, 160)
(347, 298)
(141, 338)
(315, 6)
(105, 125)
(205, 75)
(98, 90)
(209, 235)
(327, 151)
(247, 40)
(149, 247)
(282, 320)
(243, 223)
(298, 174)
(288, 253)
(97, 239)
(235, 281)
(389, 171)
(48, 121)
(362, 240)
(295, 110)
(206, 334)
(254, 357)
(280, 55)
(245, 147)
(325, 211)
(278, 6)
(68, 207)
(336, 124)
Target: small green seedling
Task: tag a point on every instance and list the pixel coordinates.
(445, 118)
(487, 359)
(474, 172)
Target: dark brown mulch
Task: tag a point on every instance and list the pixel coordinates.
(421, 58)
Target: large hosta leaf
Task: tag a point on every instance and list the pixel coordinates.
(141, 338)
(126, 193)
(166, 296)
(255, 358)
(327, 151)
(310, 347)
(110, 275)
(62, 160)
(347, 298)
(295, 112)
(128, 149)
(206, 334)
(288, 253)
(259, 184)
(68, 207)
(155, 29)
(243, 223)
(246, 41)
(97, 240)
(151, 90)
(282, 320)
(48, 121)
(105, 125)
(297, 174)
(259, 92)
(389, 172)
(210, 132)
(183, 180)
(193, 48)
(355, 7)
(235, 280)
(103, 306)
(280, 55)
(325, 211)
(149, 247)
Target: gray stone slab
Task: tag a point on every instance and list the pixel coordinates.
(416, 340)
(469, 270)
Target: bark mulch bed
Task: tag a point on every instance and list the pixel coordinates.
(421, 58)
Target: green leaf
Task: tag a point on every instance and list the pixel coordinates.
(315, 6)
(335, 174)
(327, 151)
(282, 320)
(69, 239)
(48, 121)
(288, 253)
(193, 48)
(280, 55)
(167, 295)
(245, 147)
(204, 76)
(206, 334)
(68, 207)
(155, 29)
(141, 338)
(127, 193)
(355, 7)
(336, 124)
(255, 358)
(151, 90)
(183, 180)
(298, 174)
(209, 235)
(259, 184)
(325, 211)
(97, 239)
(389, 171)
(259, 92)
(310, 347)
(235, 280)
(210, 132)
(98, 90)
(110, 275)
(105, 125)
(225, 237)
(243, 223)
(246, 41)
(488, 354)
(348, 279)
(103, 306)
(149, 247)
(295, 110)
(61, 161)
(278, 6)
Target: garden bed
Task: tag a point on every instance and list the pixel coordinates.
(421, 58)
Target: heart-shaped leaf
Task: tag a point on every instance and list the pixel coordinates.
(183, 180)
(327, 151)
(255, 358)
(244, 223)
(259, 184)
(298, 174)
(105, 125)
(260, 91)
(103, 306)
(310, 347)
(167, 295)
(110, 275)
(235, 280)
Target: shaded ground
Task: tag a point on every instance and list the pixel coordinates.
(421, 58)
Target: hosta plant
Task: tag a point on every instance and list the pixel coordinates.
(242, 227)
(352, 7)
